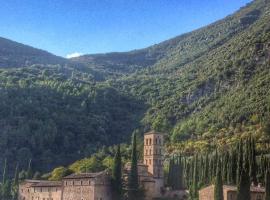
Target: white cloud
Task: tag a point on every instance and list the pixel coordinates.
(73, 55)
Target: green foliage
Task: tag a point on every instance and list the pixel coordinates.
(133, 182)
(91, 164)
(46, 114)
(267, 185)
(59, 172)
(117, 175)
(218, 190)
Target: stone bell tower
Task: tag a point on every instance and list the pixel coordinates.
(153, 153)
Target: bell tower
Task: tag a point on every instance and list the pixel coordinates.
(153, 153)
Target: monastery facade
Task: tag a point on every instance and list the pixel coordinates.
(97, 186)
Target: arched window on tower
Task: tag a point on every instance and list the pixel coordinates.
(150, 141)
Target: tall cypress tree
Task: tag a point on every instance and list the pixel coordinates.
(239, 161)
(267, 185)
(243, 189)
(133, 183)
(4, 172)
(252, 161)
(194, 186)
(15, 184)
(170, 173)
(218, 190)
(206, 169)
(117, 175)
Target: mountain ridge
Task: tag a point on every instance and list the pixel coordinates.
(194, 86)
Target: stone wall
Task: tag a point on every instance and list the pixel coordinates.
(78, 189)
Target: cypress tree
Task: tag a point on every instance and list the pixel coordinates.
(218, 190)
(29, 170)
(133, 183)
(206, 169)
(117, 175)
(170, 173)
(4, 172)
(15, 184)
(252, 161)
(267, 185)
(243, 189)
(239, 161)
(194, 186)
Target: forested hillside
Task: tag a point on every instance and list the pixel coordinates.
(53, 118)
(212, 82)
(13, 54)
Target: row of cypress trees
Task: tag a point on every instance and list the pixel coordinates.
(132, 191)
(237, 165)
(9, 186)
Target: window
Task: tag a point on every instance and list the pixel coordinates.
(146, 151)
(156, 140)
(259, 197)
(150, 152)
(146, 161)
(146, 141)
(150, 141)
(149, 162)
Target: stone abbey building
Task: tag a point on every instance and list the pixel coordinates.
(97, 186)
(230, 193)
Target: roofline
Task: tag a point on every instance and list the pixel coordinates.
(153, 132)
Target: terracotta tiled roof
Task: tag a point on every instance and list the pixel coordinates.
(48, 184)
(234, 188)
(83, 175)
(252, 188)
(153, 132)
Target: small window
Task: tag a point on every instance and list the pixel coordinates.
(150, 141)
(156, 140)
(259, 197)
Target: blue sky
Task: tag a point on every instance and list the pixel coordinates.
(94, 26)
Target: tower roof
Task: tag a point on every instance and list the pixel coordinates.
(153, 132)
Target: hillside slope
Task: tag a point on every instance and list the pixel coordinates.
(196, 84)
(14, 54)
(213, 85)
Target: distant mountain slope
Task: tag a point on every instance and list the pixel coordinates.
(174, 52)
(211, 83)
(192, 86)
(14, 54)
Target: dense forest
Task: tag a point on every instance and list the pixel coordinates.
(206, 88)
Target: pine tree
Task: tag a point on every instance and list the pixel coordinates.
(133, 183)
(218, 191)
(117, 175)
(267, 185)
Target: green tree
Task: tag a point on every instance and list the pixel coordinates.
(117, 175)
(243, 187)
(267, 185)
(133, 182)
(218, 191)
